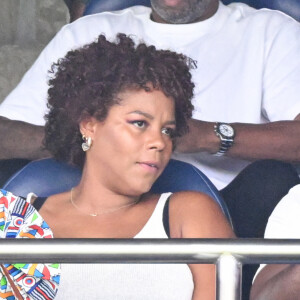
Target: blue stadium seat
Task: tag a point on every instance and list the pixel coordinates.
(46, 177)
(110, 5)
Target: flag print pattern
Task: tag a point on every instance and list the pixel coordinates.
(19, 219)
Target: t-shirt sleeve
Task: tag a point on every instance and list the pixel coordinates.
(281, 88)
(284, 222)
(28, 101)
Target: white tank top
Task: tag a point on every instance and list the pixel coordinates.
(129, 281)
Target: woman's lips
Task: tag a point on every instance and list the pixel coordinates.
(149, 166)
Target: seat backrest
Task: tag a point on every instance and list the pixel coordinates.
(290, 7)
(96, 6)
(43, 177)
(46, 177)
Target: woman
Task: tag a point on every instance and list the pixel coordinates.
(115, 109)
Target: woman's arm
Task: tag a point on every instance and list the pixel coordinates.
(195, 215)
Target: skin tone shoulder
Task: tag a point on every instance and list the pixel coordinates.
(130, 149)
(194, 215)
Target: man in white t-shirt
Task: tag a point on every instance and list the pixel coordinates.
(247, 73)
(281, 282)
(246, 67)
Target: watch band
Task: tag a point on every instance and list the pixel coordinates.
(226, 141)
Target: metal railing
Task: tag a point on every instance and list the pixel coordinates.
(228, 254)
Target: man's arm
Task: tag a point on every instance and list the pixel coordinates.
(277, 282)
(274, 140)
(279, 101)
(21, 140)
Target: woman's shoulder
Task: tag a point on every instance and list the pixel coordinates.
(197, 215)
(189, 204)
(187, 200)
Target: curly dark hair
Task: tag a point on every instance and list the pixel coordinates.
(87, 82)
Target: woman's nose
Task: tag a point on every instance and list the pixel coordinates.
(157, 141)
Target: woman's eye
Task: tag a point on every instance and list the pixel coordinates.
(139, 124)
(168, 131)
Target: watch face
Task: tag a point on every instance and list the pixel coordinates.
(226, 130)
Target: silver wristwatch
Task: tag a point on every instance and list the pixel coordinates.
(226, 134)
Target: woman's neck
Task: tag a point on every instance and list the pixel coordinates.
(92, 195)
(93, 208)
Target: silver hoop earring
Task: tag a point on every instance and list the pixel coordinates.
(86, 145)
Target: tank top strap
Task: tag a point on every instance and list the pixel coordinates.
(154, 228)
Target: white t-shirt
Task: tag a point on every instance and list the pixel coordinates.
(284, 222)
(248, 68)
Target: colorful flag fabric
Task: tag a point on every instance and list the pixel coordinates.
(19, 219)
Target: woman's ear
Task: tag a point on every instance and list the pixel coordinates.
(87, 126)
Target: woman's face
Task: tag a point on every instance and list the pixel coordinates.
(133, 145)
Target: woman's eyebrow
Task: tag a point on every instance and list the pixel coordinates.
(142, 113)
(139, 112)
